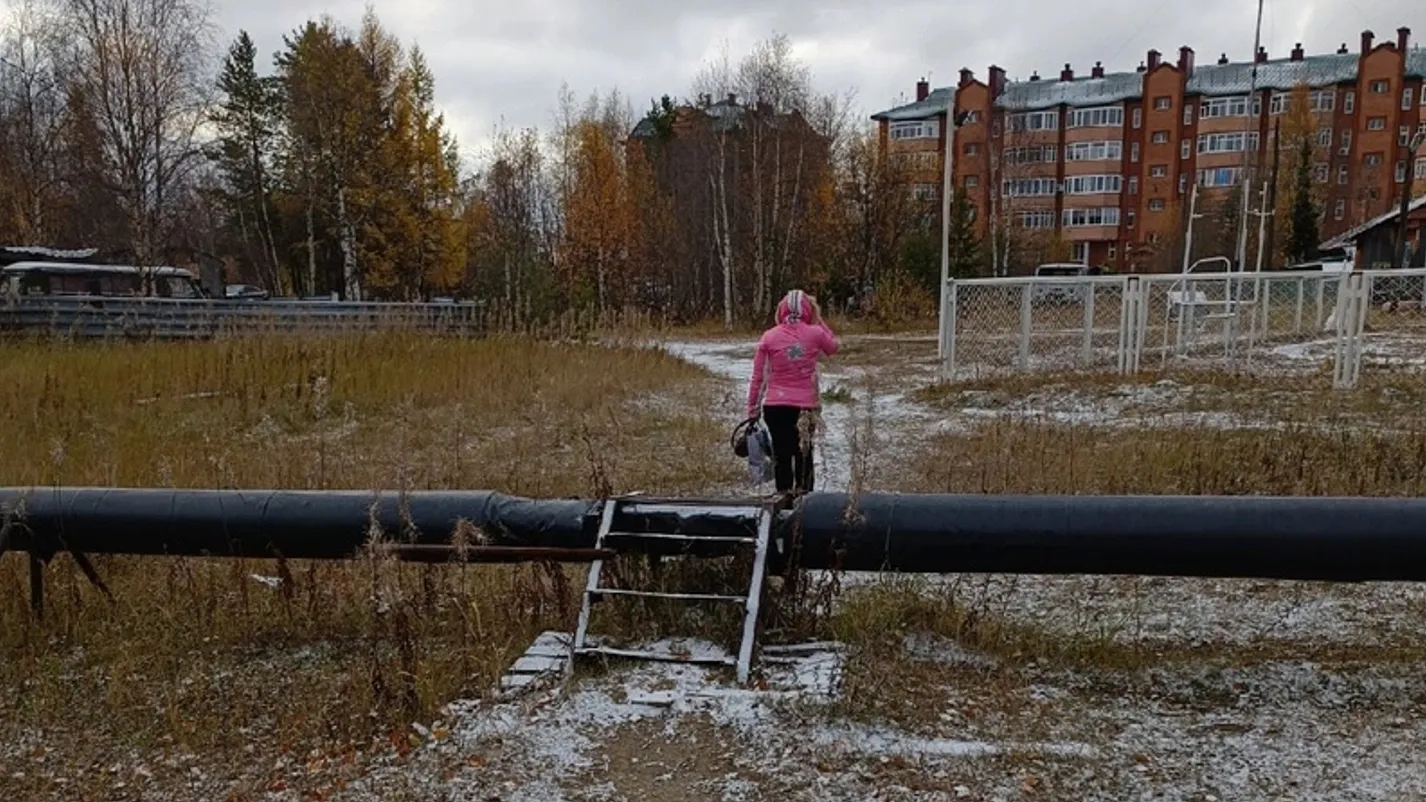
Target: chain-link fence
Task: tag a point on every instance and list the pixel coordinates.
(1280, 323)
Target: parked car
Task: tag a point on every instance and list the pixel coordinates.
(245, 292)
(1067, 291)
(115, 281)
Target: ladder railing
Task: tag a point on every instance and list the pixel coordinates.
(760, 514)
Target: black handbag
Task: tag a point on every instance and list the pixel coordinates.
(739, 440)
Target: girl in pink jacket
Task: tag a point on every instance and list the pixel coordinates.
(784, 386)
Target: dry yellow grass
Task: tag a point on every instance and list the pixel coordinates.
(197, 657)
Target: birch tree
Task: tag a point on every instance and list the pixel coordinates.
(140, 67)
(32, 119)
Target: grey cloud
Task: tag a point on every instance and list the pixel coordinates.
(505, 61)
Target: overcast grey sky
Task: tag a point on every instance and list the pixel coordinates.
(502, 61)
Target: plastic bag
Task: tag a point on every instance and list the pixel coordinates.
(760, 456)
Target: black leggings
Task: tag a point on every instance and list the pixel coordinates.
(792, 468)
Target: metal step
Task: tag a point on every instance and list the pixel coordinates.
(665, 657)
(671, 536)
(658, 595)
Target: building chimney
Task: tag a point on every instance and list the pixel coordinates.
(1342, 51)
(1223, 59)
(966, 76)
(1367, 37)
(1297, 52)
(1262, 55)
(1403, 35)
(923, 90)
(1035, 76)
(1141, 67)
(1067, 74)
(732, 99)
(1098, 71)
(997, 81)
(1185, 60)
(1154, 57)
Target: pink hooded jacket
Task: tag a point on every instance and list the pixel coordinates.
(786, 359)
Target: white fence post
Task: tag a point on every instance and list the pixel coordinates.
(1027, 321)
(1350, 319)
(948, 332)
(1087, 346)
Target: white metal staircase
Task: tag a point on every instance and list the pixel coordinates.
(758, 515)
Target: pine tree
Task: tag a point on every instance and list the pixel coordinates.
(247, 124)
(1302, 233)
(963, 244)
(1228, 217)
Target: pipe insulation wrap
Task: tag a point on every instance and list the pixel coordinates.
(1336, 539)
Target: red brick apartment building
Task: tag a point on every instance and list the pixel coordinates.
(1107, 161)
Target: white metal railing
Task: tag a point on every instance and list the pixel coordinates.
(1292, 321)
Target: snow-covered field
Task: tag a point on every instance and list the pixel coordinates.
(1104, 688)
(1193, 690)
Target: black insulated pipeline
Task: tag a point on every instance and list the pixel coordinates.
(1330, 539)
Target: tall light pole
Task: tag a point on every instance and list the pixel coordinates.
(1253, 120)
(953, 119)
(1414, 145)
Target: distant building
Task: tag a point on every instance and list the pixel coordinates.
(1376, 242)
(1107, 161)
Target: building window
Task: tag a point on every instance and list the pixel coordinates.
(1188, 114)
(1323, 100)
(1372, 160)
(1042, 218)
(1226, 143)
(1227, 107)
(1035, 121)
(1185, 147)
(1100, 216)
(916, 129)
(1133, 185)
(1182, 183)
(1099, 117)
(1403, 135)
(1381, 87)
(1105, 150)
(1159, 171)
(1346, 148)
(1113, 251)
(1163, 103)
(971, 117)
(1093, 184)
(1401, 172)
(924, 192)
(1129, 219)
(1134, 152)
(1343, 175)
(1161, 137)
(1324, 137)
(924, 160)
(1037, 154)
(1139, 116)
(1406, 99)
(1219, 177)
(1420, 169)
(1349, 102)
(995, 128)
(1028, 187)
(972, 149)
(1156, 204)
(1324, 171)
(1339, 210)
(1080, 253)
(972, 181)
